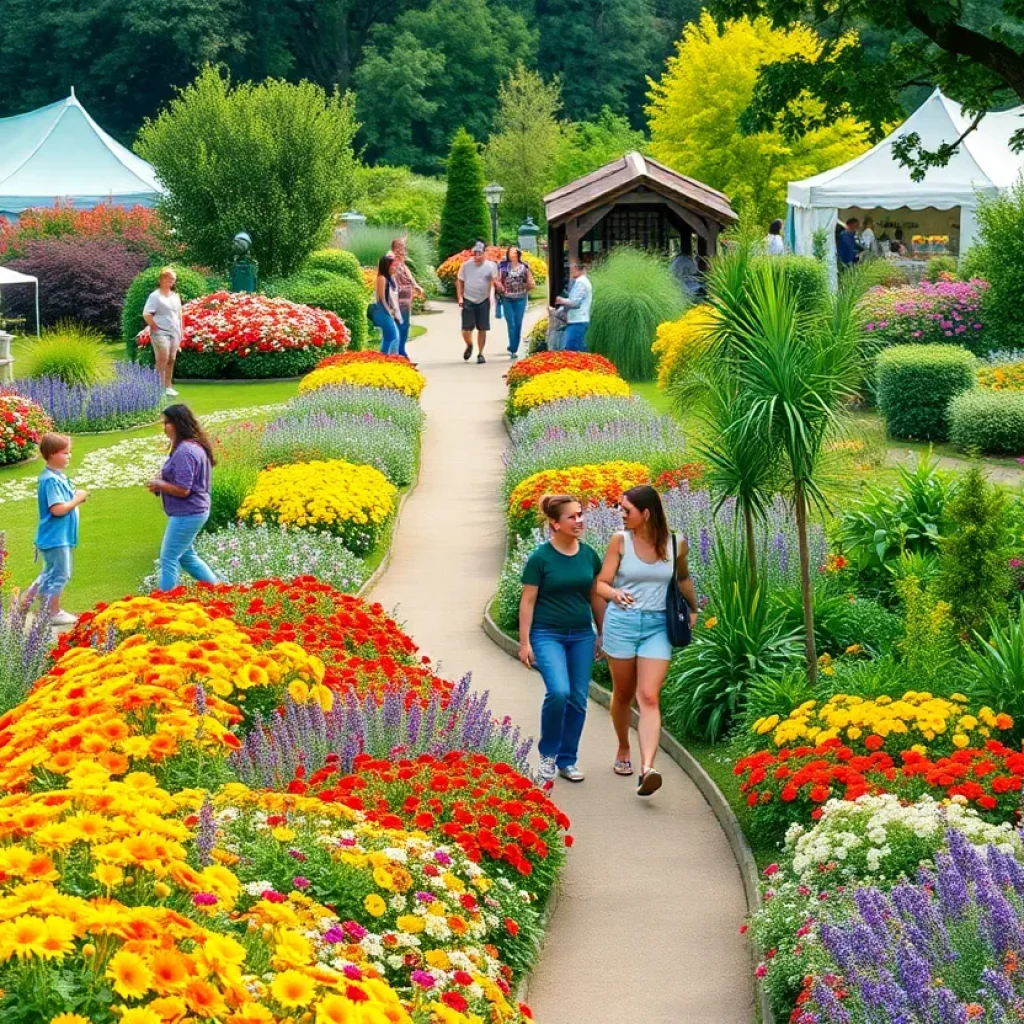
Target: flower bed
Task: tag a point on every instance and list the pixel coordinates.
(22, 423)
(368, 356)
(354, 400)
(561, 384)
(547, 362)
(233, 335)
(448, 271)
(942, 312)
(367, 374)
(133, 397)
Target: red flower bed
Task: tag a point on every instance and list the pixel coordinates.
(492, 812)
(241, 324)
(691, 473)
(361, 357)
(22, 423)
(548, 362)
(792, 784)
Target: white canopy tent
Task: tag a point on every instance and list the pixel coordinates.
(983, 164)
(9, 277)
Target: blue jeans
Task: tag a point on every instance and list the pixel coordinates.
(575, 337)
(381, 318)
(56, 572)
(564, 658)
(403, 330)
(177, 552)
(515, 310)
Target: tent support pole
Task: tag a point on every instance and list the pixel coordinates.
(37, 309)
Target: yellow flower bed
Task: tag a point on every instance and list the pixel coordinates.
(550, 387)
(1007, 377)
(367, 375)
(917, 720)
(350, 501)
(679, 342)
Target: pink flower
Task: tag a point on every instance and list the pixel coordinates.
(204, 899)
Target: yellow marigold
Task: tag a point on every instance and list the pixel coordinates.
(550, 387)
(375, 905)
(367, 375)
(678, 343)
(292, 988)
(1008, 377)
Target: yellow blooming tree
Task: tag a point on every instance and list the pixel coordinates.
(695, 108)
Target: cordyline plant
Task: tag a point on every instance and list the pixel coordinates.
(303, 735)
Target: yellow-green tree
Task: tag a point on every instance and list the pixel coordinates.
(695, 107)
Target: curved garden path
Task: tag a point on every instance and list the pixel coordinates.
(646, 927)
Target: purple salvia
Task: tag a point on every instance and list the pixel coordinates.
(206, 833)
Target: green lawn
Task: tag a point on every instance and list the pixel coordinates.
(120, 528)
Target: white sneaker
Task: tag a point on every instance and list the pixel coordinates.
(170, 393)
(63, 618)
(547, 770)
(572, 772)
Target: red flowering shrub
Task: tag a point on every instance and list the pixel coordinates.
(548, 362)
(690, 472)
(22, 422)
(139, 228)
(243, 335)
(83, 279)
(792, 784)
(495, 814)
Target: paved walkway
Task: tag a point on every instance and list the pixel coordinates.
(647, 925)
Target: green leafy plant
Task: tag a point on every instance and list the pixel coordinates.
(464, 218)
(394, 195)
(916, 384)
(974, 575)
(990, 422)
(273, 159)
(71, 352)
(634, 292)
(335, 261)
(929, 644)
(190, 284)
(996, 670)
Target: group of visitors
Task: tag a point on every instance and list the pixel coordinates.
(394, 291)
(183, 485)
(577, 607)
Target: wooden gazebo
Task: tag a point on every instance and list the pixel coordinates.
(631, 201)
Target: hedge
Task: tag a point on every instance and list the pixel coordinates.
(190, 285)
(916, 384)
(335, 261)
(327, 290)
(990, 421)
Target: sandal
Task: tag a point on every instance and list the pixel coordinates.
(650, 782)
(623, 766)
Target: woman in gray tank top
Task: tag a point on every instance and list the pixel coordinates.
(634, 579)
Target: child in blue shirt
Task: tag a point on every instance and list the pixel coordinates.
(57, 533)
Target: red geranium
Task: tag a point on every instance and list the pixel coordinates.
(22, 423)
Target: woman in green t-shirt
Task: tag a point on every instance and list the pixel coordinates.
(556, 632)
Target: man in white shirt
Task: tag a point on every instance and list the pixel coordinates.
(578, 301)
(474, 287)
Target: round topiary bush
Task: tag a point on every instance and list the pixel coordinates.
(990, 421)
(335, 261)
(327, 290)
(915, 386)
(190, 285)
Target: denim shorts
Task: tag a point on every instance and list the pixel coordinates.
(629, 633)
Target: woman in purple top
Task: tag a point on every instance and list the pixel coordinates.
(184, 487)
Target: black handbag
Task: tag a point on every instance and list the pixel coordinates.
(677, 611)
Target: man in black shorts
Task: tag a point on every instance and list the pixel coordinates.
(474, 286)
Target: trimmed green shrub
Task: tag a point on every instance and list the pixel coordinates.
(633, 293)
(335, 261)
(190, 285)
(915, 386)
(464, 218)
(329, 291)
(807, 278)
(990, 421)
(70, 352)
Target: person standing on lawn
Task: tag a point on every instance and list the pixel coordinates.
(184, 487)
(57, 532)
(474, 287)
(578, 301)
(515, 282)
(162, 314)
(557, 613)
(638, 568)
(408, 288)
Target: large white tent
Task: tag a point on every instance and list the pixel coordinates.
(984, 163)
(59, 152)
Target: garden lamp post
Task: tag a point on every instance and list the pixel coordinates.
(493, 194)
(243, 267)
(528, 233)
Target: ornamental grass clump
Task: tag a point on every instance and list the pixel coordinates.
(350, 501)
(365, 374)
(69, 353)
(561, 384)
(353, 400)
(362, 439)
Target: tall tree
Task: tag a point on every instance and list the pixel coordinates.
(600, 50)
(972, 49)
(528, 136)
(704, 139)
(464, 217)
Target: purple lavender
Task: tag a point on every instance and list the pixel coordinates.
(24, 646)
(206, 834)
